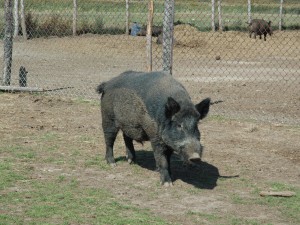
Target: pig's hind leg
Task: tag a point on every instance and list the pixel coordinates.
(130, 152)
(110, 134)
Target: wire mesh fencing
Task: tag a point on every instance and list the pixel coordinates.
(69, 47)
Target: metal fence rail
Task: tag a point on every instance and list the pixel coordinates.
(255, 79)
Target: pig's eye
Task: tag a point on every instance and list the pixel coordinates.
(179, 126)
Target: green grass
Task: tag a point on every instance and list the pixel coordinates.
(219, 118)
(8, 175)
(87, 101)
(107, 17)
(30, 194)
(97, 161)
(215, 219)
(49, 136)
(242, 221)
(288, 206)
(265, 6)
(206, 216)
(61, 200)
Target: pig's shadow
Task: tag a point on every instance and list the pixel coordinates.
(202, 176)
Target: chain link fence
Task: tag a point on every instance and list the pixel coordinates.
(70, 46)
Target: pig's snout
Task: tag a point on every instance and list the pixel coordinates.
(191, 152)
(195, 158)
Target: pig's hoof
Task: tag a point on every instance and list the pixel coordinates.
(168, 184)
(130, 161)
(113, 164)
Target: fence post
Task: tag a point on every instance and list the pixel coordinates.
(23, 22)
(8, 42)
(220, 16)
(16, 18)
(149, 35)
(74, 17)
(127, 17)
(213, 26)
(168, 27)
(280, 15)
(249, 11)
(22, 77)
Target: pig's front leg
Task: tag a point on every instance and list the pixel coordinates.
(162, 157)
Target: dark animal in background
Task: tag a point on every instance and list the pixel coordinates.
(156, 31)
(152, 107)
(260, 27)
(159, 39)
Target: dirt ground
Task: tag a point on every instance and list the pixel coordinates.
(240, 159)
(256, 79)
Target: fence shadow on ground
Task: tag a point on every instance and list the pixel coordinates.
(203, 176)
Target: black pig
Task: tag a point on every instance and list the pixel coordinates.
(152, 107)
(260, 27)
(156, 31)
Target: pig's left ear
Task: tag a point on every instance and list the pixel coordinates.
(203, 108)
(171, 107)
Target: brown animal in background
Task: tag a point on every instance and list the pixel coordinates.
(260, 27)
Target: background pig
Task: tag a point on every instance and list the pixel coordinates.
(152, 107)
(156, 31)
(260, 27)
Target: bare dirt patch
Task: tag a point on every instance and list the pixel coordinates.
(256, 79)
(240, 158)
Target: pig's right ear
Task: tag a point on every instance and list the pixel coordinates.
(171, 107)
(203, 108)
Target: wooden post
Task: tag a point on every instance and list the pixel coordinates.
(16, 18)
(149, 35)
(127, 17)
(280, 15)
(23, 22)
(74, 17)
(220, 16)
(249, 11)
(8, 42)
(168, 27)
(213, 26)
